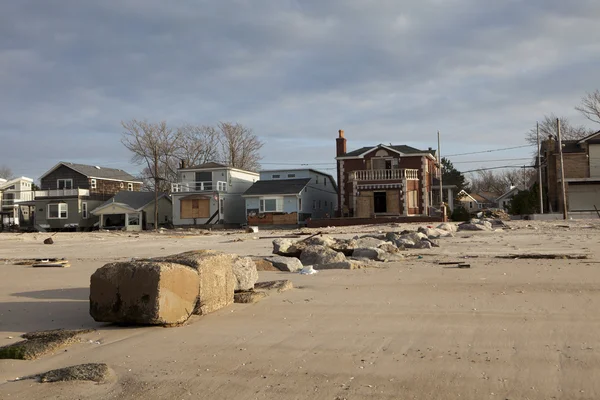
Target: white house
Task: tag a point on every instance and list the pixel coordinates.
(16, 200)
(210, 193)
(133, 211)
(290, 197)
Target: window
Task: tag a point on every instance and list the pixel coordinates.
(320, 208)
(57, 211)
(291, 175)
(133, 219)
(325, 204)
(413, 199)
(64, 183)
(121, 185)
(324, 181)
(222, 206)
(317, 179)
(194, 208)
(470, 204)
(479, 205)
(314, 204)
(300, 204)
(84, 210)
(130, 187)
(93, 184)
(276, 176)
(273, 204)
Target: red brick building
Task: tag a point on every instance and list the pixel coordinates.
(381, 180)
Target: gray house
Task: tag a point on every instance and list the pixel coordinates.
(210, 193)
(69, 191)
(133, 211)
(290, 197)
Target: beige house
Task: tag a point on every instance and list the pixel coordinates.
(133, 211)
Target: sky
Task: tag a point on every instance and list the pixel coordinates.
(295, 71)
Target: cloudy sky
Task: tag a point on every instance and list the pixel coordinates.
(296, 71)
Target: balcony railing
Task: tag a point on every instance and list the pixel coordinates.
(384, 174)
(17, 197)
(208, 186)
(62, 193)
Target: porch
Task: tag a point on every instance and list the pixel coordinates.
(201, 186)
(384, 175)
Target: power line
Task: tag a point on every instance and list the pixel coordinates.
(505, 159)
(488, 151)
(500, 167)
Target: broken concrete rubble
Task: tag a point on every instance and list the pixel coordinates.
(288, 264)
(371, 253)
(316, 255)
(245, 273)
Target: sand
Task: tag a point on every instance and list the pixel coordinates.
(503, 329)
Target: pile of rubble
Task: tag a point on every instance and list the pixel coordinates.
(483, 224)
(324, 252)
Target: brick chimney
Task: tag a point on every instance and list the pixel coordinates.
(340, 144)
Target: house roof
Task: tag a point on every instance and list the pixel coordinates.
(509, 192)
(207, 165)
(134, 200)
(4, 183)
(592, 136)
(488, 196)
(316, 171)
(404, 149)
(277, 187)
(94, 171)
(474, 196)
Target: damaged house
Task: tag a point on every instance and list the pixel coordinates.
(290, 197)
(385, 180)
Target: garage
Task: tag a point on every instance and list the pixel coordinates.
(583, 196)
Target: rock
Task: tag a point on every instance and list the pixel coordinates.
(143, 292)
(371, 253)
(40, 343)
(316, 255)
(264, 265)
(245, 273)
(251, 229)
(216, 278)
(287, 264)
(249, 296)
(345, 246)
(367, 242)
(447, 227)
(278, 286)
(379, 236)
(389, 248)
(423, 244)
(315, 241)
(282, 247)
(475, 225)
(347, 264)
(48, 241)
(84, 372)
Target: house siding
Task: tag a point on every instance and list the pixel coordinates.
(74, 215)
(49, 182)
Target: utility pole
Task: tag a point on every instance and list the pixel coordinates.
(539, 162)
(440, 167)
(562, 171)
(155, 188)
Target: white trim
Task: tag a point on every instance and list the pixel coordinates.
(112, 179)
(218, 169)
(93, 183)
(585, 139)
(458, 195)
(59, 205)
(278, 204)
(129, 187)
(580, 180)
(65, 186)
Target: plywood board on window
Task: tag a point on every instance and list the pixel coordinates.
(393, 201)
(195, 208)
(285, 219)
(364, 204)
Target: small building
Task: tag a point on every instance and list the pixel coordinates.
(504, 200)
(210, 193)
(69, 191)
(133, 211)
(16, 201)
(290, 197)
(472, 202)
(581, 170)
(385, 180)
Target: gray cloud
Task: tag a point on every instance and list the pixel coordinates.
(296, 71)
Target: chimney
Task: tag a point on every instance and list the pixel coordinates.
(340, 144)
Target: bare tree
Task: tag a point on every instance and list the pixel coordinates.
(590, 106)
(548, 128)
(198, 144)
(152, 145)
(240, 147)
(501, 182)
(6, 172)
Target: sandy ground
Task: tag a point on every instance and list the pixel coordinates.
(504, 329)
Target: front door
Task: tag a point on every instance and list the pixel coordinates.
(380, 202)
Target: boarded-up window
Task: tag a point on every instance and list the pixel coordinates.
(413, 199)
(195, 208)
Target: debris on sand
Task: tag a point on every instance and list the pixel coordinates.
(48, 241)
(98, 373)
(39, 343)
(262, 290)
(538, 256)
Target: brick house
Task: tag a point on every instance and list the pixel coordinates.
(381, 180)
(68, 192)
(582, 173)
